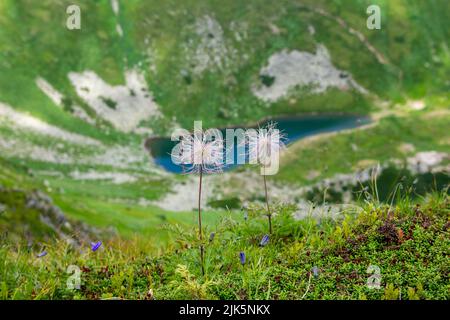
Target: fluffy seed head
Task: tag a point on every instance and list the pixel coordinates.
(200, 151)
(265, 144)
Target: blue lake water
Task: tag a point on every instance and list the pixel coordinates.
(294, 128)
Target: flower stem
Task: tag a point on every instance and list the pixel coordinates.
(200, 222)
(267, 203)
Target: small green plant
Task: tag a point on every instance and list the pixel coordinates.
(188, 285)
(117, 281)
(415, 293)
(109, 102)
(267, 80)
(3, 290)
(390, 292)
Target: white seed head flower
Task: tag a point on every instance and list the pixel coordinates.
(200, 152)
(265, 144)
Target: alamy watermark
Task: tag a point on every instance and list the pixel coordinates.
(74, 280)
(374, 281)
(374, 19)
(73, 21)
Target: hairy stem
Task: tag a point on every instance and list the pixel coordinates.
(200, 234)
(269, 214)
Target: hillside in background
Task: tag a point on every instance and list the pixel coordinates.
(79, 107)
(222, 63)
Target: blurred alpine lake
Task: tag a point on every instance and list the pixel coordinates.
(293, 128)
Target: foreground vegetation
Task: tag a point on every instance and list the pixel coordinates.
(304, 259)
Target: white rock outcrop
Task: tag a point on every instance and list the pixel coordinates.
(296, 68)
(124, 106)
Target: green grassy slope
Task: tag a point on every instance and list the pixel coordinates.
(413, 39)
(98, 205)
(407, 243)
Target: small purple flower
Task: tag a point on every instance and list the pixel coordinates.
(315, 271)
(264, 241)
(242, 257)
(211, 236)
(95, 245)
(42, 254)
